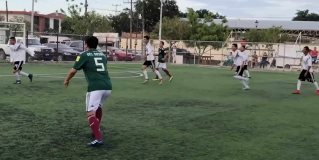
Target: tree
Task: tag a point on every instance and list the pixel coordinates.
(151, 10)
(202, 13)
(304, 15)
(205, 31)
(271, 35)
(173, 29)
(120, 23)
(77, 23)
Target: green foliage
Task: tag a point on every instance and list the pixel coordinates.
(271, 35)
(76, 23)
(202, 13)
(121, 22)
(205, 31)
(304, 15)
(151, 10)
(173, 29)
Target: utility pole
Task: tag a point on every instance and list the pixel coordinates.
(161, 21)
(86, 14)
(131, 24)
(32, 18)
(131, 21)
(116, 7)
(115, 10)
(86, 8)
(7, 11)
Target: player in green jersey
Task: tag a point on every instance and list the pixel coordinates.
(93, 64)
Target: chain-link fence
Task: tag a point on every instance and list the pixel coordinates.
(261, 55)
(65, 47)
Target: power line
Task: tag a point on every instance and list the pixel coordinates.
(131, 20)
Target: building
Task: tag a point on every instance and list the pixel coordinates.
(42, 22)
(306, 28)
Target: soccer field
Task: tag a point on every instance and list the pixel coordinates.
(202, 115)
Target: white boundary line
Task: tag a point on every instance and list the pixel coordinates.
(136, 74)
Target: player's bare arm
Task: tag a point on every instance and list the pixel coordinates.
(70, 75)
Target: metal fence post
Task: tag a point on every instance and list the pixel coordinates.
(195, 53)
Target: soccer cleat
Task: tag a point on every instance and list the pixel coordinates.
(30, 76)
(95, 143)
(156, 79)
(296, 92)
(161, 82)
(246, 88)
(17, 82)
(171, 78)
(145, 81)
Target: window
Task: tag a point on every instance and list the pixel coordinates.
(56, 24)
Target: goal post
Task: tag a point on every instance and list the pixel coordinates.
(9, 29)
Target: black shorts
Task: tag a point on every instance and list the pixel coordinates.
(240, 72)
(309, 77)
(18, 65)
(150, 64)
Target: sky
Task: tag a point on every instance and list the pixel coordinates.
(233, 9)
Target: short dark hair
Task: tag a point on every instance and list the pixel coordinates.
(307, 48)
(235, 45)
(147, 37)
(91, 42)
(12, 38)
(162, 42)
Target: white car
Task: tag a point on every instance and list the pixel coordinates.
(35, 50)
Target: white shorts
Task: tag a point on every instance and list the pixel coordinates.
(95, 99)
(162, 65)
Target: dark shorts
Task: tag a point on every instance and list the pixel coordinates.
(240, 72)
(309, 77)
(18, 65)
(150, 64)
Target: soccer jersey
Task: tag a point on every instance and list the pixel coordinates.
(93, 63)
(149, 52)
(246, 57)
(241, 58)
(161, 55)
(18, 52)
(307, 62)
(237, 59)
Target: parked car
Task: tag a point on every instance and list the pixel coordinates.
(79, 46)
(35, 50)
(76, 45)
(63, 52)
(117, 54)
(41, 52)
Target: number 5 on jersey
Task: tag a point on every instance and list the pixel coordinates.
(99, 65)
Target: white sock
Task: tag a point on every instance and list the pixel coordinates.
(244, 83)
(316, 85)
(17, 76)
(298, 85)
(247, 73)
(24, 73)
(241, 78)
(158, 74)
(145, 74)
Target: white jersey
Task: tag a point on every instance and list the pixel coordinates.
(246, 57)
(237, 59)
(307, 62)
(18, 52)
(174, 51)
(241, 58)
(149, 52)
